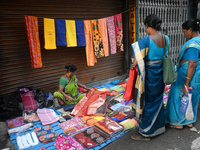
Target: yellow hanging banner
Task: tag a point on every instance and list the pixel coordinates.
(132, 21)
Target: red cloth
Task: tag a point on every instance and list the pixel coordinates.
(28, 101)
(86, 105)
(33, 40)
(129, 91)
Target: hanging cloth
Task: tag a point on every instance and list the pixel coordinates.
(33, 40)
(49, 34)
(119, 32)
(91, 58)
(98, 45)
(80, 35)
(104, 35)
(71, 33)
(111, 34)
(60, 32)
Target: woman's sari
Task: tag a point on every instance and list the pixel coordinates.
(173, 114)
(70, 89)
(149, 88)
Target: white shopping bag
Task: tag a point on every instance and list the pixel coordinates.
(186, 106)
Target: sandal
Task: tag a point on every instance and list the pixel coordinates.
(139, 137)
(190, 125)
(176, 127)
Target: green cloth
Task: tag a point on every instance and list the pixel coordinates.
(71, 89)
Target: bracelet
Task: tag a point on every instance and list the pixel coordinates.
(188, 78)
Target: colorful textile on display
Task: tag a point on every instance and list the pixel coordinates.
(60, 32)
(15, 122)
(80, 34)
(104, 35)
(90, 138)
(173, 114)
(33, 40)
(71, 33)
(47, 116)
(49, 34)
(119, 32)
(98, 45)
(28, 101)
(45, 134)
(67, 143)
(108, 127)
(91, 58)
(111, 34)
(132, 21)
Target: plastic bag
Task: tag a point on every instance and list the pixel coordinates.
(186, 106)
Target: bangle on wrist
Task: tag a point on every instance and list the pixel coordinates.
(188, 78)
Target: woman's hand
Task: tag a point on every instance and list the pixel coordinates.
(184, 90)
(71, 99)
(87, 89)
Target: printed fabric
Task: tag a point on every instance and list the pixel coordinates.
(67, 143)
(98, 45)
(119, 32)
(49, 34)
(91, 58)
(104, 35)
(15, 122)
(111, 34)
(90, 138)
(33, 40)
(45, 134)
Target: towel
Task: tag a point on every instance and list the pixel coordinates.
(60, 32)
(49, 34)
(111, 34)
(80, 35)
(104, 35)
(119, 32)
(71, 33)
(33, 40)
(91, 58)
(98, 45)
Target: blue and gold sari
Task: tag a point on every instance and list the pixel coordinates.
(149, 87)
(172, 112)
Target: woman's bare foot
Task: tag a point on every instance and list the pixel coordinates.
(190, 125)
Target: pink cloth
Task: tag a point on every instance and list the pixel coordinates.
(74, 122)
(28, 101)
(111, 34)
(67, 143)
(15, 122)
(119, 32)
(47, 116)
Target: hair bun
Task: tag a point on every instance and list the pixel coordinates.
(67, 67)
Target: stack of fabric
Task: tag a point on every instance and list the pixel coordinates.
(108, 127)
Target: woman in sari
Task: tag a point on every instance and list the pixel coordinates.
(149, 86)
(188, 68)
(68, 93)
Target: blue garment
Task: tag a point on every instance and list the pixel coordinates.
(80, 34)
(191, 54)
(60, 26)
(173, 115)
(152, 121)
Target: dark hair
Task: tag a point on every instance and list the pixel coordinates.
(71, 68)
(153, 21)
(194, 24)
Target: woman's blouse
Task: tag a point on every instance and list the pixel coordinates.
(191, 54)
(63, 81)
(156, 52)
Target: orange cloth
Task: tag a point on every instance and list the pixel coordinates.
(104, 35)
(98, 45)
(33, 40)
(91, 59)
(89, 120)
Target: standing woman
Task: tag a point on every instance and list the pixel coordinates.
(188, 74)
(68, 93)
(149, 86)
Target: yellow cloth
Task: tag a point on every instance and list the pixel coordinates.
(129, 124)
(71, 33)
(49, 34)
